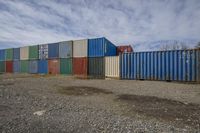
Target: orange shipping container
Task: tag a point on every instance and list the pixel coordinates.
(80, 66)
(54, 66)
(124, 49)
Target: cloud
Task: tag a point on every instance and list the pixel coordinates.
(123, 22)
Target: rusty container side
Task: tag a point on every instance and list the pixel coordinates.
(80, 66)
(54, 66)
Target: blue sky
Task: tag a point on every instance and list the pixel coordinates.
(24, 22)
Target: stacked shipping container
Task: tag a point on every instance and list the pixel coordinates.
(2, 61)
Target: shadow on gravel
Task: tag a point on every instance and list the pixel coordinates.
(82, 90)
(163, 109)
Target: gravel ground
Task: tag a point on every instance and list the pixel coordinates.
(32, 103)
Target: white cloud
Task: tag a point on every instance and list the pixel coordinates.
(23, 22)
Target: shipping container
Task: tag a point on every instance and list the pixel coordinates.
(24, 66)
(9, 66)
(124, 49)
(54, 66)
(9, 54)
(2, 55)
(42, 66)
(65, 49)
(33, 52)
(96, 67)
(66, 66)
(2, 66)
(112, 67)
(43, 51)
(80, 48)
(80, 66)
(53, 50)
(177, 65)
(24, 53)
(100, 47)
(33, 66)
(16, 54)
(16, 66)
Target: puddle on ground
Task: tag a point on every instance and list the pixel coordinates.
(82, 90)
(163, 109)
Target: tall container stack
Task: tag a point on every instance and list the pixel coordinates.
(9, 60)
(33, 59)
(43, 56)
(65, 55)
(2, 61)
(98, 49)
(80, 61)
(53, 59)
(24, 56)
(16, 60)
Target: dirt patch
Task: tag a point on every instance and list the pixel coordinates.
(82, 90)
(163, 109)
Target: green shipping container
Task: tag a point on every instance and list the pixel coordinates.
(33, 52)
(2, 66)
(24, 66)
(9, 54)
(66, 66)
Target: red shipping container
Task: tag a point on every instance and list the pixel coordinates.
(9, 66)
(124, 49)
(80, 66)
(54, 66)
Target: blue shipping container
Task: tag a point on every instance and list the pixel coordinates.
(33, 66)
(16, 53)
(177, 65)
(2, 55)
(100, 47)
(53, 51)
(16, 66)
(43, 66)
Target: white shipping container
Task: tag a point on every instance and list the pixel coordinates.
(80, 48)
(24, 53)
(112, 66)
(43, 51)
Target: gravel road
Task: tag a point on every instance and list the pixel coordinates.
(33, 103)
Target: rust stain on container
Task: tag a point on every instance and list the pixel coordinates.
(9, 66)
(54, 66)
(80, 66)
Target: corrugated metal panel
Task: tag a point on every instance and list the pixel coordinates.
(80, 48)
(43, 66)
(2, 55)
(54, 66)
(9, 66)
(33, 66)
(80, 66)
(2, 66)
(53, 50)
(66, 66)
(9, 54)
(16, 66)
(96, 67)
(65, 49)
(112, 66)
(24, 66)
(16, 54)
(43, 51)
(179, 65)
(24, 53)
(100, 47)
(33, 52)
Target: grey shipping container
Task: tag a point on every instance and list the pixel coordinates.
(16, 66)
(33, 66)
(96, 67)
(65, 49)
(43, 51)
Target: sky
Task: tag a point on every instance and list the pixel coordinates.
(31, 22)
